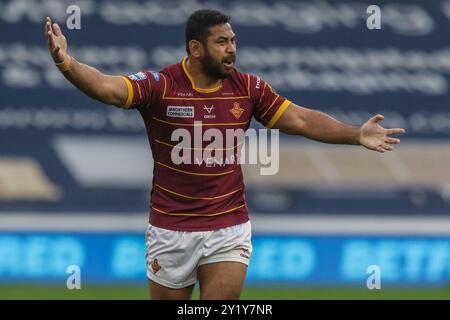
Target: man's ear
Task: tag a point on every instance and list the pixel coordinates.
(196, 48)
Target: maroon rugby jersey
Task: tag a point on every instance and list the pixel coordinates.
(198, 195)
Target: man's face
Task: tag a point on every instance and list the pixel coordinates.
(220, 52)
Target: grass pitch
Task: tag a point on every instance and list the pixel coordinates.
(89, 292)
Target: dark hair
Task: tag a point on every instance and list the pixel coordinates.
(198, 24)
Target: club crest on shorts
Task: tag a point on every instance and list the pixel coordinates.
(245, 253)
(155, 266)
(236, 110)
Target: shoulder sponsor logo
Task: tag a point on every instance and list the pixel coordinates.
(180, 112)
(155, 75)
(258, 82)
(138, 76)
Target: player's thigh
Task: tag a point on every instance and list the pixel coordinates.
(221, 280)
(159, 292)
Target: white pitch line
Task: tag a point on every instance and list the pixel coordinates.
(322, 164)
(300, 224)
(398, 169)
(79, 222)
(353, 224)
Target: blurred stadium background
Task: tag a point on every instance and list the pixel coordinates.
(75, 175)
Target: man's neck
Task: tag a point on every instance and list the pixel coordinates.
(198, 76)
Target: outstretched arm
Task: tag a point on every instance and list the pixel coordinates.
(319, 126)
(107, 89)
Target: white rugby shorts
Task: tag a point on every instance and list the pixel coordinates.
(173, 256)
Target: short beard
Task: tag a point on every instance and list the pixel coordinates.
(212, 67)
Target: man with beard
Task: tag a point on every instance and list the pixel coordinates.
(199, 227)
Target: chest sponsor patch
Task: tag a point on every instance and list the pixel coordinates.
(180, 112)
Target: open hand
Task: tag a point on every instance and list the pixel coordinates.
(375, 137)
(57, 43)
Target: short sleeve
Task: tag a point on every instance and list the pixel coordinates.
(269, 105)
(145, 88)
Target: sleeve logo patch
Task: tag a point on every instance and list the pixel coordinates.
(155, 75)
(138, 76)
(180, 112)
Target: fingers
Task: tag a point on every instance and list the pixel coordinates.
(395, 131)
(377, 118)
(51, 41)
(392, 140)
(56, 29)
(49, 34)
(47, 27)
(381, 136)
(387, 145)
(48, 22)
(384, 147)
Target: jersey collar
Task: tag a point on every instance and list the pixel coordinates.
(183, 63)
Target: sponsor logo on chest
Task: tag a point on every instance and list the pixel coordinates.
(209, 109)
(180, 112)
(237, 110)
(185, 94)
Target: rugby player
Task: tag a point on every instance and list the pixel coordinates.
(199, 228)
